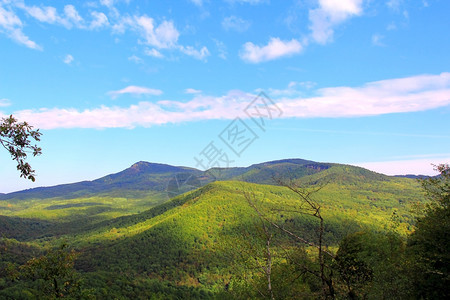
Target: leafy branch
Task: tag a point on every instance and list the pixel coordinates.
(17, 138)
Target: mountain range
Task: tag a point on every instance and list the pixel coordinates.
(143, 179)
(155, 227)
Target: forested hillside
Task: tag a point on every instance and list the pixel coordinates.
(222, 240)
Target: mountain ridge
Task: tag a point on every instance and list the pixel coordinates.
(143, 178)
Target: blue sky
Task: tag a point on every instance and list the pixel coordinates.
(226, 83)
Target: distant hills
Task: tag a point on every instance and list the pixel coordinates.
(144, 179)
(136, 181)
(412, 176)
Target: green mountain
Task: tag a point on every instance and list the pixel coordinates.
(136, 242)
(138, 180)
(145, 179)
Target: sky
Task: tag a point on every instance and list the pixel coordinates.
(225, 83)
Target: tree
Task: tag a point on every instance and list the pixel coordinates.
(17, 139)
(372, 265)
(429, 244)
(263, 232)
(54, 272)
(308, 207)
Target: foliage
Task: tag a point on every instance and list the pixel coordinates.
(17, 139)
(54, 272)
(429, 244)
(373, 266)
(192, 246)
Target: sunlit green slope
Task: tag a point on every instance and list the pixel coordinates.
(195, 239)
(191, 235)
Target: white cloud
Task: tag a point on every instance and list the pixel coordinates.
(191, 51)
(404, 167)
(391, 26)
(72, 15)
(192, 91)
(323, 21)
(4, 102)
(293, 89)
(394, 4)
(11, 25)
(221, 48)
(99, 20)
(18, 36)
(302, 84)
(163, 36)
(276, 48)
(8, 19)
(247, 1)
(135, 90)
(154, 53)
(68, 59)
(46, 14)
(235, 23)
(410, 94)
(160, 36)
(197, 2)
(328, 15)
(107, 3)
(377, 40)
(122, 24)
(135, 59)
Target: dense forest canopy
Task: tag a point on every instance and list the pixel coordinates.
(236, 239)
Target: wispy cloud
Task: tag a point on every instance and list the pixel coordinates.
(165, 35)
(135, 59)
(107, 3)
(322, 22)
(4, 102)
(247, 1)
(197, 2)
(394, 4)
(330, 14)
(12, 26)
(293, 89)
(68, 59)
(45, 14)
(198, 54)
(153, 53)
(50, 15)
(162, 36)
(235, 23)
(275, 49)
(377, 40)
(221, 48)
(99, 20)
(402, 167)
(73, 15)
(192, 91)
(410, 94)
(135, 90)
